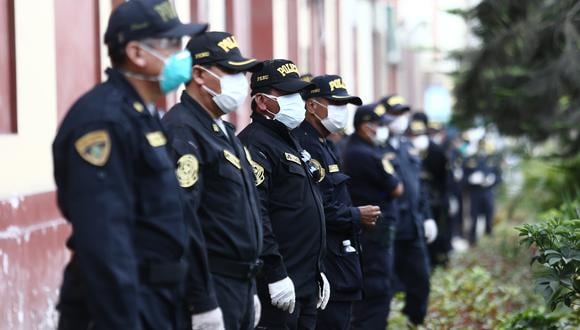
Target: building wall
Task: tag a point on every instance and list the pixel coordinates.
(58, 54)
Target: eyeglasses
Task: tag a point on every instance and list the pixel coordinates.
(163, 43)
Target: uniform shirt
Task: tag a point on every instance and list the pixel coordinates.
(485, 164)
(292, 213)
(117, 187)
(413, 205)
(342, 218)
(222, 189)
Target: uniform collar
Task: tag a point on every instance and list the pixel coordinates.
(273, 125)
(197, 111)
(118, 79)
(310, 130)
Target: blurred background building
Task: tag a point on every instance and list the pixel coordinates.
(52, 51)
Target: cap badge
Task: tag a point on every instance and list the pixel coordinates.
(228, 44)
(336, 83)
(287, 69)
(165, 11)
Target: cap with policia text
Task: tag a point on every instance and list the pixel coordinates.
(374, 112)
(279, 74)
(394, 105)
(140, 19)
(332, 88)
(220, 48)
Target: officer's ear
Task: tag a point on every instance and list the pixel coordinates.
(310, 105)
(135, 54)
(261, 102)
(197, 75)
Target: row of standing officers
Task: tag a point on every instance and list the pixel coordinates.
(180, 224)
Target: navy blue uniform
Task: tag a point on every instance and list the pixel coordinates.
(117, 188)
(343, 269)
(372, 182)
(411, 255)
(293, 221)
(481, 195)
(223, 193)
(435, 173)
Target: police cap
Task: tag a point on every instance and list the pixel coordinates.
(220, 48)
(279, 74)
(140, 19)
(374, 112)
(394, 105)
(331, 87)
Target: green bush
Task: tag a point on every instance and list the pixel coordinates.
(539, 318)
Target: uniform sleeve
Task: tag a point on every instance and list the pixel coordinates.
(93, 172)
(274, 268)
(382, 172)
(339, 214)
(185, 153)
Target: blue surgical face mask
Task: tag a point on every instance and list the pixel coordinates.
(176, 69)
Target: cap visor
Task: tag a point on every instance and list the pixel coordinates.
(183, 30)
(399, 108)
(293, 85)
(346, 99)
(386, 119)
(241, 64)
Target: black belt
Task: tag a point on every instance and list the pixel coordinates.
(163, 273)
(235, 269)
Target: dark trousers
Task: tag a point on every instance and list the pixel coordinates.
(336, 316)
(236, 299)
(413, 272)
(371, 313)
(304, 316)
(482, 203)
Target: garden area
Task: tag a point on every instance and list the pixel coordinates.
(525, 276)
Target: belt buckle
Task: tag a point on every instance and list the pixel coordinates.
(255, 268)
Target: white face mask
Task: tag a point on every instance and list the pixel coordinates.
(292, 111)
(336, 118)
(399, 125)
(381, 136)
(234, 90)
(421, 142)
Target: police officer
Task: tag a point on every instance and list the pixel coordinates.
(326, 113)
(416, 226)
(216, 173)
(434, 175)
(292, 284)
(373, 182)
(482, 174)
(117, 187)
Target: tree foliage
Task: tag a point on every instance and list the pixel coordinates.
(525, 74)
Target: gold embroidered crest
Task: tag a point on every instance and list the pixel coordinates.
(187, 170)
(94, 147)
(387, 166)
(257, 168)
(321, 169)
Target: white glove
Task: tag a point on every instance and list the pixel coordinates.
(458, 174)
(453, 206)
(257, 310)
(476, 178)
(430, 227)
(323, 292)
(489, 180)
(282, 294)
(210, 320)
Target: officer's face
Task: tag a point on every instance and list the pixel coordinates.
(211, 81)
(148, 62)
(264, 103)
(318, 106)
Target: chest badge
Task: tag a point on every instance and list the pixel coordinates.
(94, 147)
(156, 139)
(187, 171)
(320, 169)
(292, 158)
(333, 168)
(233, 159)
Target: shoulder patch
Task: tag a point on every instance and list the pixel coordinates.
(319, 167)
(187, 171)
(292, 158)
(387, 166)
(94, 147)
